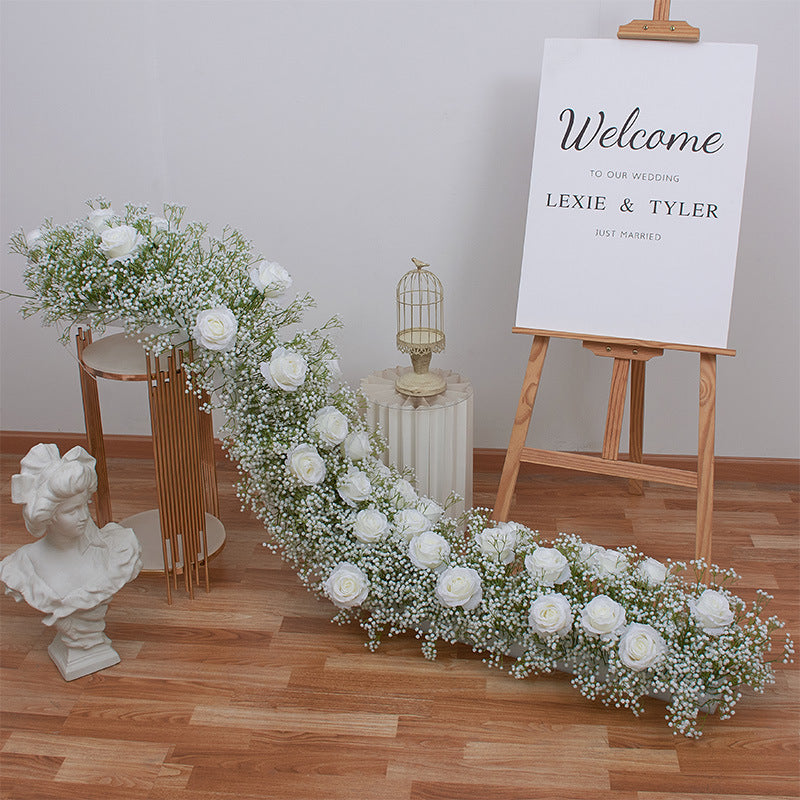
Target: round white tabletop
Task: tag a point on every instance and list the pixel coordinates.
(118, 357)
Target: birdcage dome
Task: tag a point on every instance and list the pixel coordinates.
(420, 311)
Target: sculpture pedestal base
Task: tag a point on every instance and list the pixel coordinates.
(73, 662)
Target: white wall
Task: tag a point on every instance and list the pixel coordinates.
(346, 137)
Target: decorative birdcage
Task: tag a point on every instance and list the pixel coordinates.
(420, 331)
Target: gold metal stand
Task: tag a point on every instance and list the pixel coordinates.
(186, 523)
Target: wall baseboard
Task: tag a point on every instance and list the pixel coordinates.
(117, 445)
(485, 459)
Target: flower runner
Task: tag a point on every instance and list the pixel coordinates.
(355, 530)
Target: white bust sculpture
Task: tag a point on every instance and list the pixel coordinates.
(72, 570)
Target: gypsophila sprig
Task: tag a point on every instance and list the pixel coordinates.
(355, 530)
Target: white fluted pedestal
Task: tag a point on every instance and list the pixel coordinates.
(431, 435)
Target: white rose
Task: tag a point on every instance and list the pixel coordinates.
(547, 566)
(588, 550)
(641, 646)
(34, 239)
(215, 328)
(602, 616)
(459, 586)
(354, 487)
(498, 543)
(409, 522)
(347, 585)
(330, 425)
(356, 445)
(306, 464)
(651, 572)
(158, 229)
(120, 243)
(370, 526)
(712, 611)
(285, 370)
(270, 277)
(428, 550)
(99, 219)
(608, 563)
(431, 509)
(551, 615)
(380, 470)
(333, 369)
(406, 495)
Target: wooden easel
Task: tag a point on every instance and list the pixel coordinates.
(630, 357)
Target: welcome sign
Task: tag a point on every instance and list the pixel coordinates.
(636, 190)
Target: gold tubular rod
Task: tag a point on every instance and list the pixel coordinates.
(210, 493)
(210, 500)
(176, 495)
(155, 427)
(167, 499)
(208, 469)
(177, 442)
(191, 480)
(183, 447)
(190, 532)
(202, 474)
(94, 430)
(193, 470)
(199, 492)
(205, 554)
(194, 406)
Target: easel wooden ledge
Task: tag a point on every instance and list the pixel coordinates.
(630, 357)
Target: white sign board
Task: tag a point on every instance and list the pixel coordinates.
(636, 190)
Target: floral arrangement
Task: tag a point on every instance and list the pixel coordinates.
(355, 530)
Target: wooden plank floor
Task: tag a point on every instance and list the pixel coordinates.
(250, 693)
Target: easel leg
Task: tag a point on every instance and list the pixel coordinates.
(636, 436)
(616, 408)
(519, 432)
(169, 544)
(705, 455)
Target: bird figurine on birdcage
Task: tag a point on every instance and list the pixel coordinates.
(420, 331)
